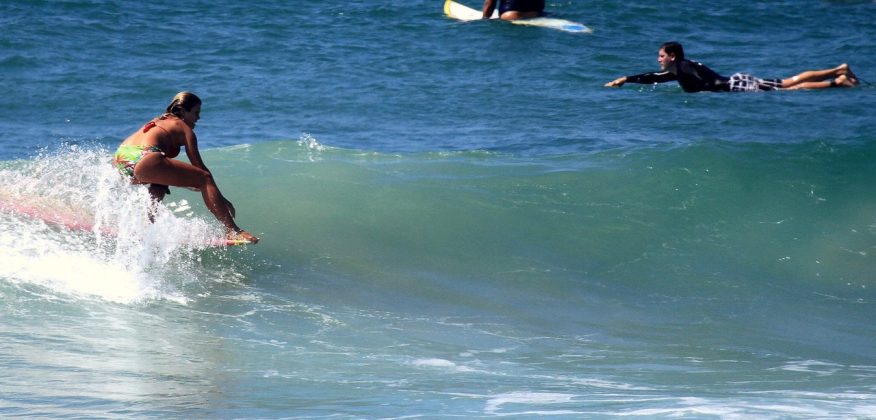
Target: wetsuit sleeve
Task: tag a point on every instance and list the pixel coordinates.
(648, 78)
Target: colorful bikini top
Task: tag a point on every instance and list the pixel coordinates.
(152, 123)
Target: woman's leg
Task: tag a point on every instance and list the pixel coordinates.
(157, 192)
(514, 15)
(821, 77)
(813, 85)
(155, 168)
(840, 81)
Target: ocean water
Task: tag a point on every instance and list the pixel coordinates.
(457, 220)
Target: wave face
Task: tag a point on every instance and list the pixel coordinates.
(749, 264)
(697, 220)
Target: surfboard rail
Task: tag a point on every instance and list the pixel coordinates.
(74, 221)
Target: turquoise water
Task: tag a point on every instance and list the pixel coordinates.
(458, 220)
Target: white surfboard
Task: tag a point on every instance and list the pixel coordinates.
(462, 12)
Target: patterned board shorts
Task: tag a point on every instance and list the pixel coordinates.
(744, 82)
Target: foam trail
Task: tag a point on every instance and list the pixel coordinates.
(74, 226)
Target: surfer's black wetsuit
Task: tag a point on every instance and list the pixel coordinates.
(695, 77)
(691, 75)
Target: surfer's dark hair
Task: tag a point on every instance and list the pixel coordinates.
(183, 101)
(673, 48)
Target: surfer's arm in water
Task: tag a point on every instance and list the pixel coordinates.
(666, 57)
(644, 78)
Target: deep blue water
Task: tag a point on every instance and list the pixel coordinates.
(458, 220)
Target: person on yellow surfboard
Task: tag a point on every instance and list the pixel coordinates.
(514, 9)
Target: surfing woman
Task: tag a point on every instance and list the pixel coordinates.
(695, 77)
(147, 157)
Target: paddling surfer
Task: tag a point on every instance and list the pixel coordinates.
(696, 77)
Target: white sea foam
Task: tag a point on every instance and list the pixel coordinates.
(442, 364)
(495, 404)
(312, 145)
(310, 142)
(811, 366)
(73, 225)
(46, 262)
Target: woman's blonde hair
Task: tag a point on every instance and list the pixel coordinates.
(183, 101)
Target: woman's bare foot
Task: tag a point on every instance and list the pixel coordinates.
(844, 70)
(851, 76)
(845, 81)
(241, 235)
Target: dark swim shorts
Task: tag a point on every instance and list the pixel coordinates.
(521, 6)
